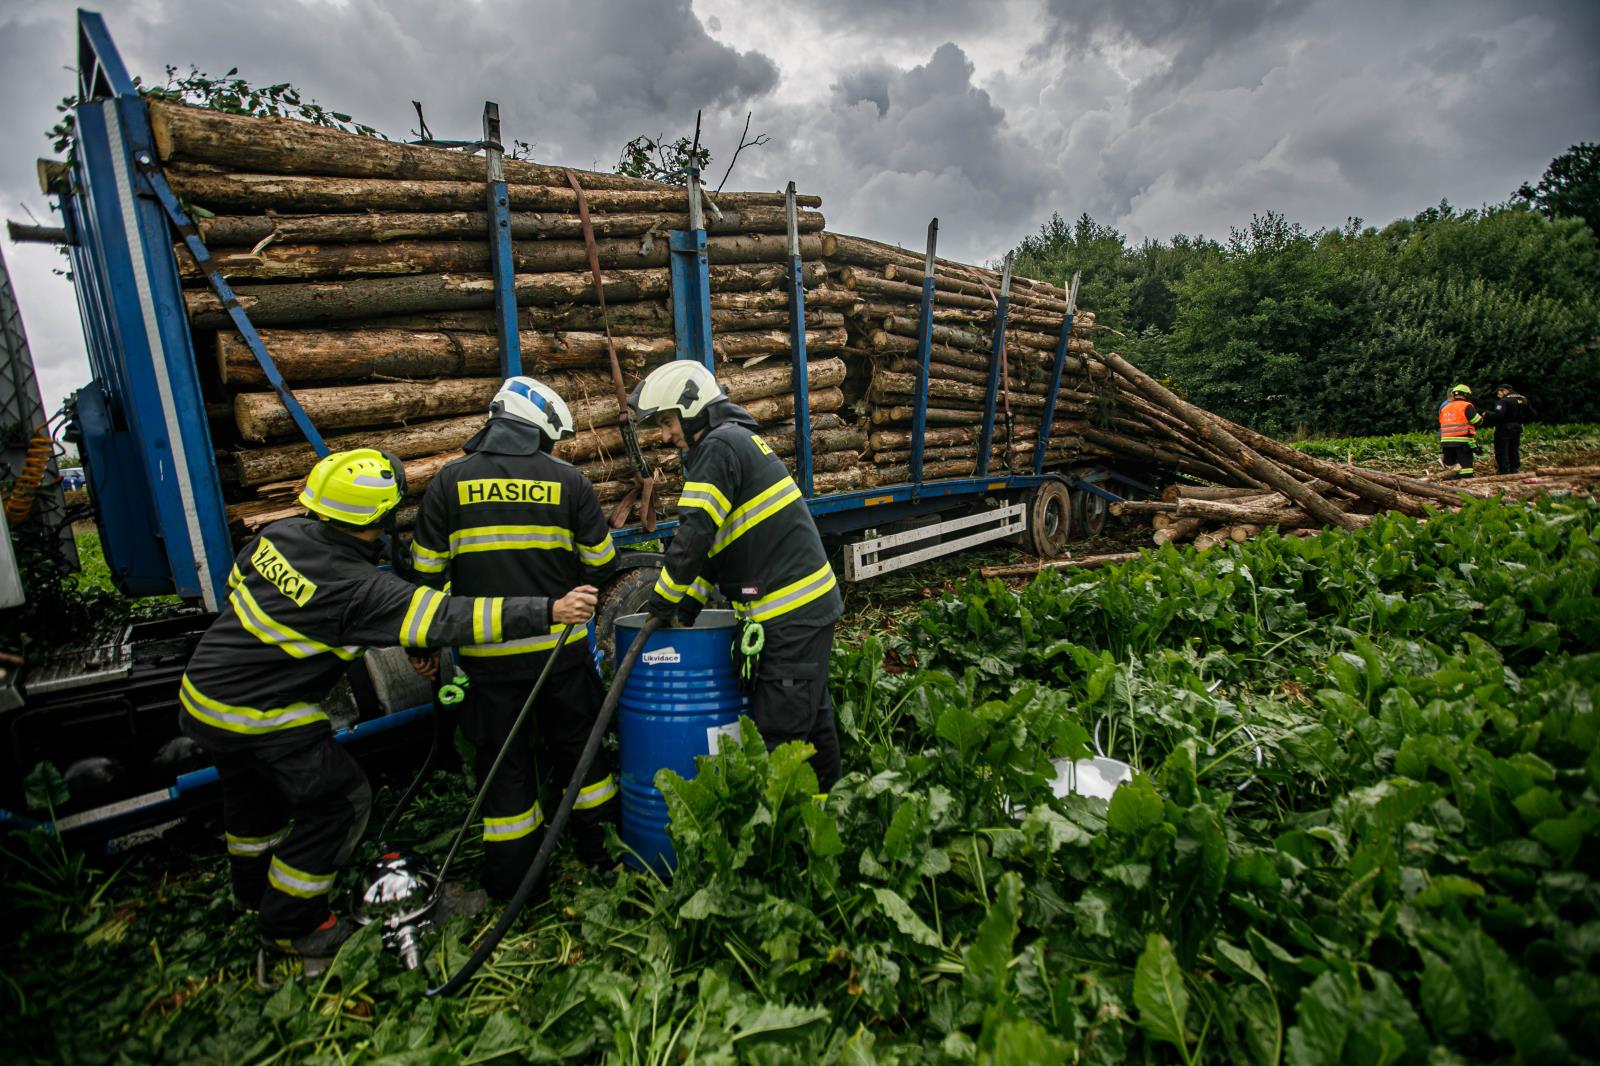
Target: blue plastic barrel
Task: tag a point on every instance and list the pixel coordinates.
(681, 698)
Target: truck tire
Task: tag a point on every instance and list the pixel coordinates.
(1049, 519)
(1089, 513)
(626, 594)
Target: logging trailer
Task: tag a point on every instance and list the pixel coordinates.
(107, 710)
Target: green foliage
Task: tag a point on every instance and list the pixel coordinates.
(229, 93)
(1541, 443)
(1570, 186)
(1351, 331)
(1372, 841)
(659, 160)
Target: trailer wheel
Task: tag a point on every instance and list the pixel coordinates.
(1089, 513)
(626, 594)
(1049, 519)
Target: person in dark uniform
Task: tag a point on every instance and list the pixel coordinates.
(304, 599)
(1510, 412)
(743, 527)
(509, 517)
(1458, 429)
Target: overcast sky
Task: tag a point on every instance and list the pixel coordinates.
(1160, 117)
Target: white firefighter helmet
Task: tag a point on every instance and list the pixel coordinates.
(534, 403)
(683, 385)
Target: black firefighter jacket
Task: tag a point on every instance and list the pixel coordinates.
(510, 519)
(306, 598)
(744, 528)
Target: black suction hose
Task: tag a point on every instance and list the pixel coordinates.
(500, 756)
(422, 775)
(557, 824)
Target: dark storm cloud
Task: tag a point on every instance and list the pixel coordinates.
(1159, 116)
(905, 19)
(1189, 32)
(868, 83)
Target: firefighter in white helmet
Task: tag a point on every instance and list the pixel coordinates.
(509, 517)
(304, 598)
(744, 528)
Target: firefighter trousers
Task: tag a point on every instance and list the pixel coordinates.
(513, 820)
(1507, 449)
(1458, 453)
(791, 700)
(292, 817)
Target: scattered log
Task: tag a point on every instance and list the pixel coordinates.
(1124, 508)
(1240, 534)
(1178, 531)
(1211, 428)
(1206, 492)
(1087, 562)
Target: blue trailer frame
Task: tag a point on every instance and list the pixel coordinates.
(142, 420)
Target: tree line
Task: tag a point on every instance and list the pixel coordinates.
(1358, 330)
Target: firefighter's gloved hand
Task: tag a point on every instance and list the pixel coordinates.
(658, 607)
(688, 611)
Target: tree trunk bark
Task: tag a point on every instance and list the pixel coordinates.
(1087, 562)
(290, 230)
(1343, 476)
(304, 262)
(1210, 428)
(363, 354)
(326, 302)
(253, 193)
(186, 134)
(1178, 531)
(261, 415)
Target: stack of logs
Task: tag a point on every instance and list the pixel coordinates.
(365, 266)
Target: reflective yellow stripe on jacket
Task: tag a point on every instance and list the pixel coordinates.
(428, 560)
(269, 630)
(791, 597)
(597, 554)
(425, 603)
(756, 510)
(508, 538)
(525, 645)
(669, 589)
(248, 720)
(708, 498)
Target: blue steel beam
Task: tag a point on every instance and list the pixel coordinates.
(157, 182)
(797, 348)
(997, 348)
(919, 412)
(1062, 344)
(691, 283)
(505, 271)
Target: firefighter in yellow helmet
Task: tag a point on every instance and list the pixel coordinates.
(1458, 429)
(305, 599)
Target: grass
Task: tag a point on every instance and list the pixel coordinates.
(1543, 444)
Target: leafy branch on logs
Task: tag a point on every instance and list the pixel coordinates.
(229, 93)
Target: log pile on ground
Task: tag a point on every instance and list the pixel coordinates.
(365, 266)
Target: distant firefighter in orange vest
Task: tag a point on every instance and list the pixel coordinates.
(1458, 429)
